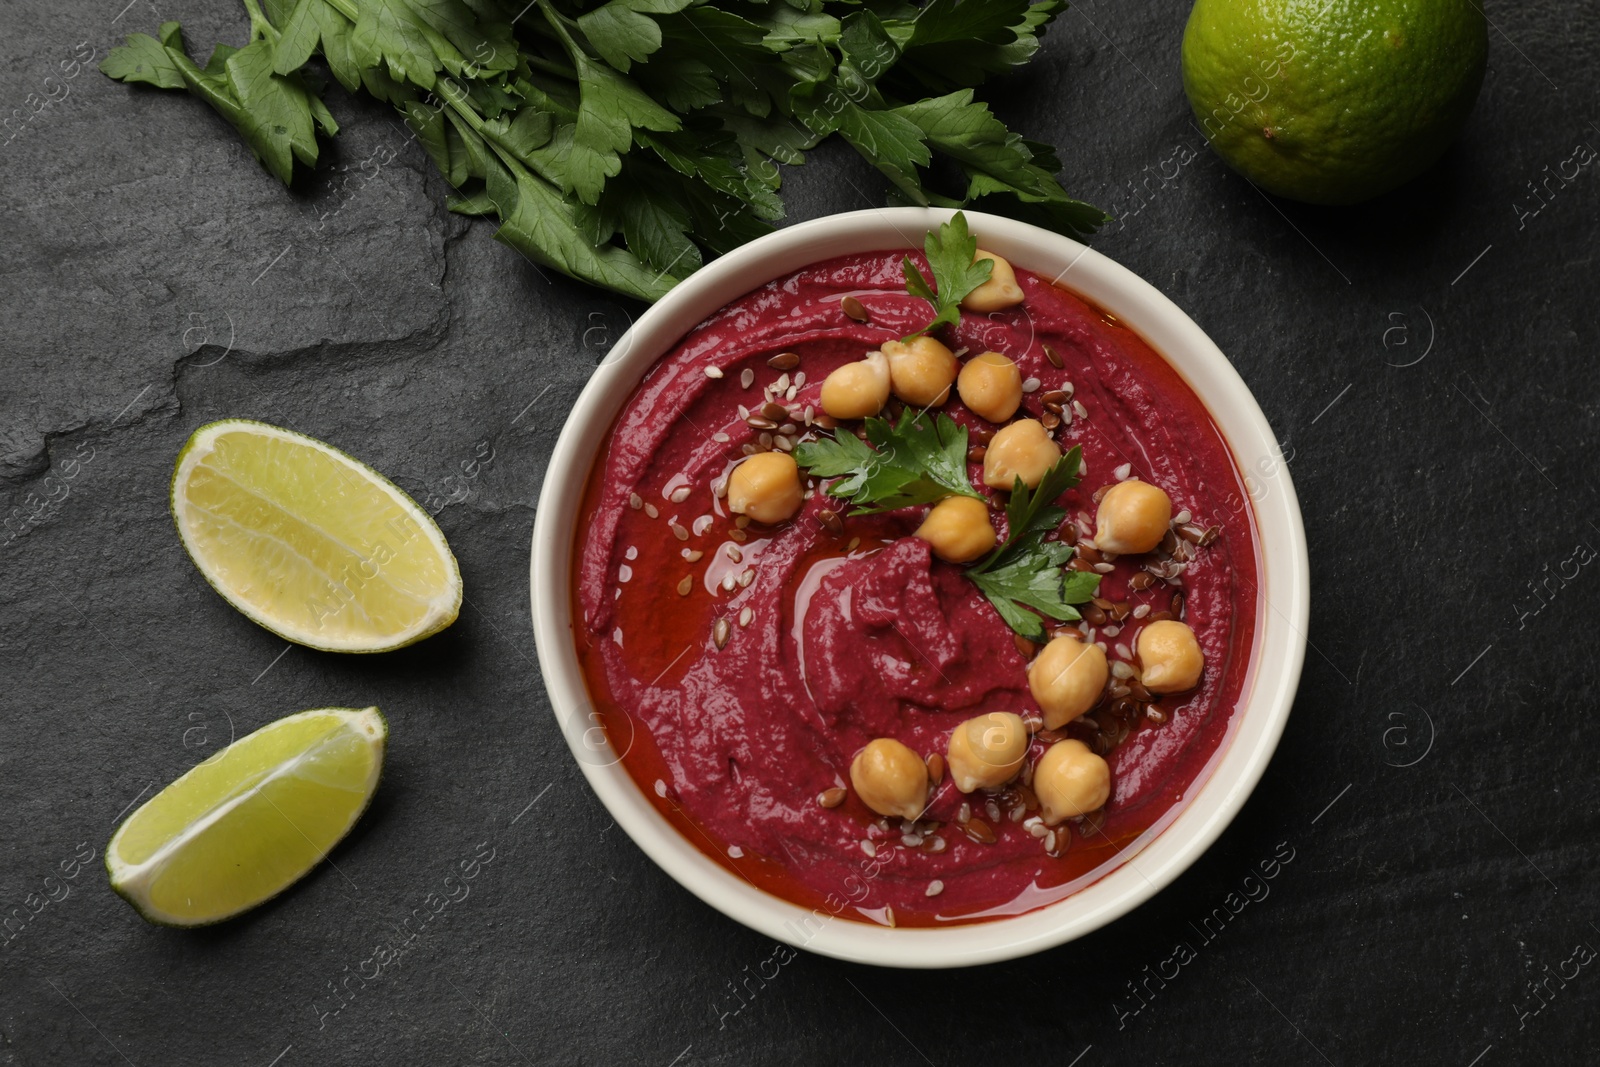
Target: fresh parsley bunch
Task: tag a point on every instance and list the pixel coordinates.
(621, 142)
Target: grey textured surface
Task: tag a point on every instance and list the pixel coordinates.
(1427, 360)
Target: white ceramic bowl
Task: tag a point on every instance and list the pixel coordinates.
(1152, 862)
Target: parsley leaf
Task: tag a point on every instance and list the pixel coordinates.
(278, 115)
(1026, 569)
(1037, 581)
(920, 460)
(949, 251)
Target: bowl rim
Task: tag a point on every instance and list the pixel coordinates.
(1159, 856)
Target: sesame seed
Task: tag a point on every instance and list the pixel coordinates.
(635, 501)
(1124, 651)
(713, 372)
(1123, 471)
(1141, 611)
(721, 438)
(679, 532)
(745, 615)
(1103, 568)
(650, 510)
(1079, 410)
(1181, 517)
(735, 852)
(869, 848)
(719, 634)
(1031, 385)
(661, 788)
(680, 494)
(686, 585)
(935, 887)
(746, 378)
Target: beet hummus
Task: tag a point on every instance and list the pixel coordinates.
(744, 665)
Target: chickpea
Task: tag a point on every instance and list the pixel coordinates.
(1070, 781)
(987, 751)
(1170, 657)
(766, 487)
(890, 779)
(991, 386)
(1133, 518)
(1000, 291)
(1067, 679)
(1022, 450)
(922, 371)
(858, 389)
(958, 528)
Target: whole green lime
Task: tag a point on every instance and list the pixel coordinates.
(1332, 101)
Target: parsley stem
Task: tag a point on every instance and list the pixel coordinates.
(558, 24)
(260, 28)
(460, 103)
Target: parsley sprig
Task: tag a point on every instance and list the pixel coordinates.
(920, 460)
(949, 249)
(1026, 571)
(622, 142)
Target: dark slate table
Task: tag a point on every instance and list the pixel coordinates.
(1428, 360)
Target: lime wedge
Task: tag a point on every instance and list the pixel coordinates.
(316, 546)
(251, 820)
